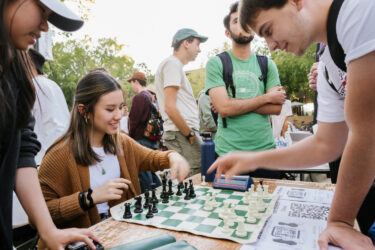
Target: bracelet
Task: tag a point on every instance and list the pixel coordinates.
(89, 192)
(82, 201)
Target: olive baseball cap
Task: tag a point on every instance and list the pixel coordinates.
(62, 17)
(182, 34)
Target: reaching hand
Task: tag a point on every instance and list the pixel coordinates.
(234, 163)
(179, 166)
(58, 239)
(277, 96)
(110, 190)
(313, 75)
(344, 236)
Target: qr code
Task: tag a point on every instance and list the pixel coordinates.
(308, 211)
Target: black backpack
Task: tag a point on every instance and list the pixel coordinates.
(337, 53)
(154, 126)
(228, 79)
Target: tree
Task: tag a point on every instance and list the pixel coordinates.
(75, 58)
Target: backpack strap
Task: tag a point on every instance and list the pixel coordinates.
(337, 53)
(263, 64)
(227, 76)
(152, 106)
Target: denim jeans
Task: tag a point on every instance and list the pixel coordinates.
(147, 177)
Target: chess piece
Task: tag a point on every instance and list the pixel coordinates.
(261, 183)
(128, 213)
(204, 183)
(214, 202)
(190, 183)
(147, 199)
(186, 190)
(164, 192)
(170, 191)
(187, 196)
(138, 205)
(154, 209)
(165, 198)
(232, 214)
(153, 197)
(250, 214)
(241, 228)
(226, 229)
(192, 192)
(149, 212)
(179, 193)
(224, 211)
(207, 203)
(266, 194)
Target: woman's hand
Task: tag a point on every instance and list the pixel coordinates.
(110, 190)
(179, 166)
(234, 163)
(58, 239)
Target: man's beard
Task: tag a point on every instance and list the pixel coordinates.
(242, 39)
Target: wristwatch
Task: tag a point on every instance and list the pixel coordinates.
(191, 134)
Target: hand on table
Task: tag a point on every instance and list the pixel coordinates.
(344, 236)
(234, 163)
(58, 239)
(110, 190)
(179, 166)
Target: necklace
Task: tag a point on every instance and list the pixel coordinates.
(102, 168)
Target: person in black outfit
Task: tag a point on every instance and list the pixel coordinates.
(21, 23)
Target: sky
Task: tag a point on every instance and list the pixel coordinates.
(146, 27)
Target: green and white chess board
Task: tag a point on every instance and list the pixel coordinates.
(190, 215)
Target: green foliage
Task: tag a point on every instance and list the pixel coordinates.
(197, 79)
(75, 58)
(293, 72)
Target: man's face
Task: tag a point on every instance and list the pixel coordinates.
(284, 29)
(236, 33)
(193, 49)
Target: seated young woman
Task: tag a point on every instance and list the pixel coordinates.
(93, 159)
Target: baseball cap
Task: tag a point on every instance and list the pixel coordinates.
(62, 17)
(138, 76)
(182, 34)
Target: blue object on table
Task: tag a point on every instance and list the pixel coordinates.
(238, 183)
(207, 156)
(371, 233)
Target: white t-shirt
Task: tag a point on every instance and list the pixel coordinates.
(107, 169)
(170, 73)
(51, 113)
(355, 28)
(278, 120)
(124, 124)
(330, 102)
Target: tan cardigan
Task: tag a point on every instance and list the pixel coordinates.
(62, 180)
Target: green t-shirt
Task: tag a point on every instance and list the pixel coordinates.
(246, 132)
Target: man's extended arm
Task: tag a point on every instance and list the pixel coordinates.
(170, 95)
(233, 106)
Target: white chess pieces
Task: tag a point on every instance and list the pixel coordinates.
(226, 229)
(232, 214)
(207, 204)
(241, 228)
(246, 200)
(266, 194)
(204, 183)
(224, 210)
(214, 203)
(250, 213)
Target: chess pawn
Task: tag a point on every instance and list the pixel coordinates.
(246, 198)
(214, 202)
(204, 183)
(154, 208)
(149, 212)
(207, 204)
(224, 210)
(226, 229)
(250, 214)
(241, 228)
(266, 194)
(232, 215)
(179, 193)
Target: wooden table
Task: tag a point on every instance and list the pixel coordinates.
(114, 233)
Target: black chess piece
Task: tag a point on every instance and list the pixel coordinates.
(149, 212)
(186, 188)
(164, 192)
(170, 191)
(261, 184)
(179, 193)
(154, 208)
(138, 205)
(165, 199)
(153, 197)
(190, 183)
(192, 192)
(181, 185)
(128, 213)
(187, 196)
(147, 202)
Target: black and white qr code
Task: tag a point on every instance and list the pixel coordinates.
(309, 211)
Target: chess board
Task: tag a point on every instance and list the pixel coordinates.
(190, 216)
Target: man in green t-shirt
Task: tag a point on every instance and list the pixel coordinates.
(247, 115)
